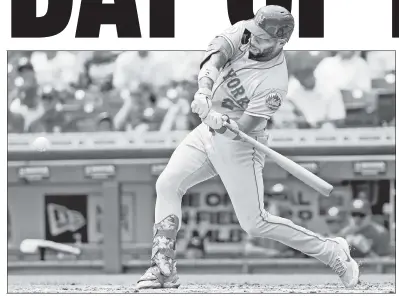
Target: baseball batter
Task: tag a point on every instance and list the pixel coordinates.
(243, 80)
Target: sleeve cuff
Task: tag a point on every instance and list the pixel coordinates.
(257, 114)
(230, 43)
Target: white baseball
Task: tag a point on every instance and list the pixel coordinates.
(41, 144)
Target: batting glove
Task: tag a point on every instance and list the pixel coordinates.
(228, 132)
(202, 103)
(214, 120)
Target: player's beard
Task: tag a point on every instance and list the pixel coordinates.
(264, 55)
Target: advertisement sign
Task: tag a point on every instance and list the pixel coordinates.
(207, 210)
(66, 219)
(95, 218)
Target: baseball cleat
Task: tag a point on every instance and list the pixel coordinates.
(344, 265)
(163, 272)
(153, 279)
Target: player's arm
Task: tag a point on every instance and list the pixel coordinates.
(216, 57)
(206, 79)
(219, 52)
(221, 49)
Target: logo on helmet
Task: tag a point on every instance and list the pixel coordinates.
(260, 20)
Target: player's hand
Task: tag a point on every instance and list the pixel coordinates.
(202, 103)
(214, 120)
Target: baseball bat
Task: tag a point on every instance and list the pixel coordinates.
(290, 166)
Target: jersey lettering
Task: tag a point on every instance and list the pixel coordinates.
(238, 99)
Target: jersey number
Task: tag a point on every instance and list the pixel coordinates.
(231, 104)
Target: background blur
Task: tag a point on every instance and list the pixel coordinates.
(113, 119)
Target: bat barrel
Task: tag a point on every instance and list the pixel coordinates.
(290, 166)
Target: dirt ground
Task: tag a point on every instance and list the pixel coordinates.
(236, 283)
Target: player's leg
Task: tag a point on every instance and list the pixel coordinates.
(188, 166)
(239, 161)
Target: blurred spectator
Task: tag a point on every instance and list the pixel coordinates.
(15, 122)
(137, 109)
(161, 86)
(157, 68)
(105, 123)
(381, 62)
(345, 71)
(53, 118)
(320, 105)
(304, 59)
(26, 75)
(287, 116)
(336, 219)
(100, 68)
(195, 247)
(133, 68)
(59, 69)
(29, 106)
(368, 238)
(177, 108)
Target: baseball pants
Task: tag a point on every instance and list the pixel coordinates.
(203, 155)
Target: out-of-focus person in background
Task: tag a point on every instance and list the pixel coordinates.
(105, 123)
(195, 247)
(58, 69)
(26, 75)
(30, 107)
(347, 70)
(15, 122)
(336, 219)
(157, 68)
(53, 119)
(176, 103)
(321, 105)
(99, 70)
(288, 117)
(367, 237)
(137, 110)
(381, 62)
(24, 100)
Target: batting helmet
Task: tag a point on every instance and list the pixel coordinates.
(272, 21)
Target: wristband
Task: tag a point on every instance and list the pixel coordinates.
(208, 71)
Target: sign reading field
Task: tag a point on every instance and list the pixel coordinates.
(207, 211)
